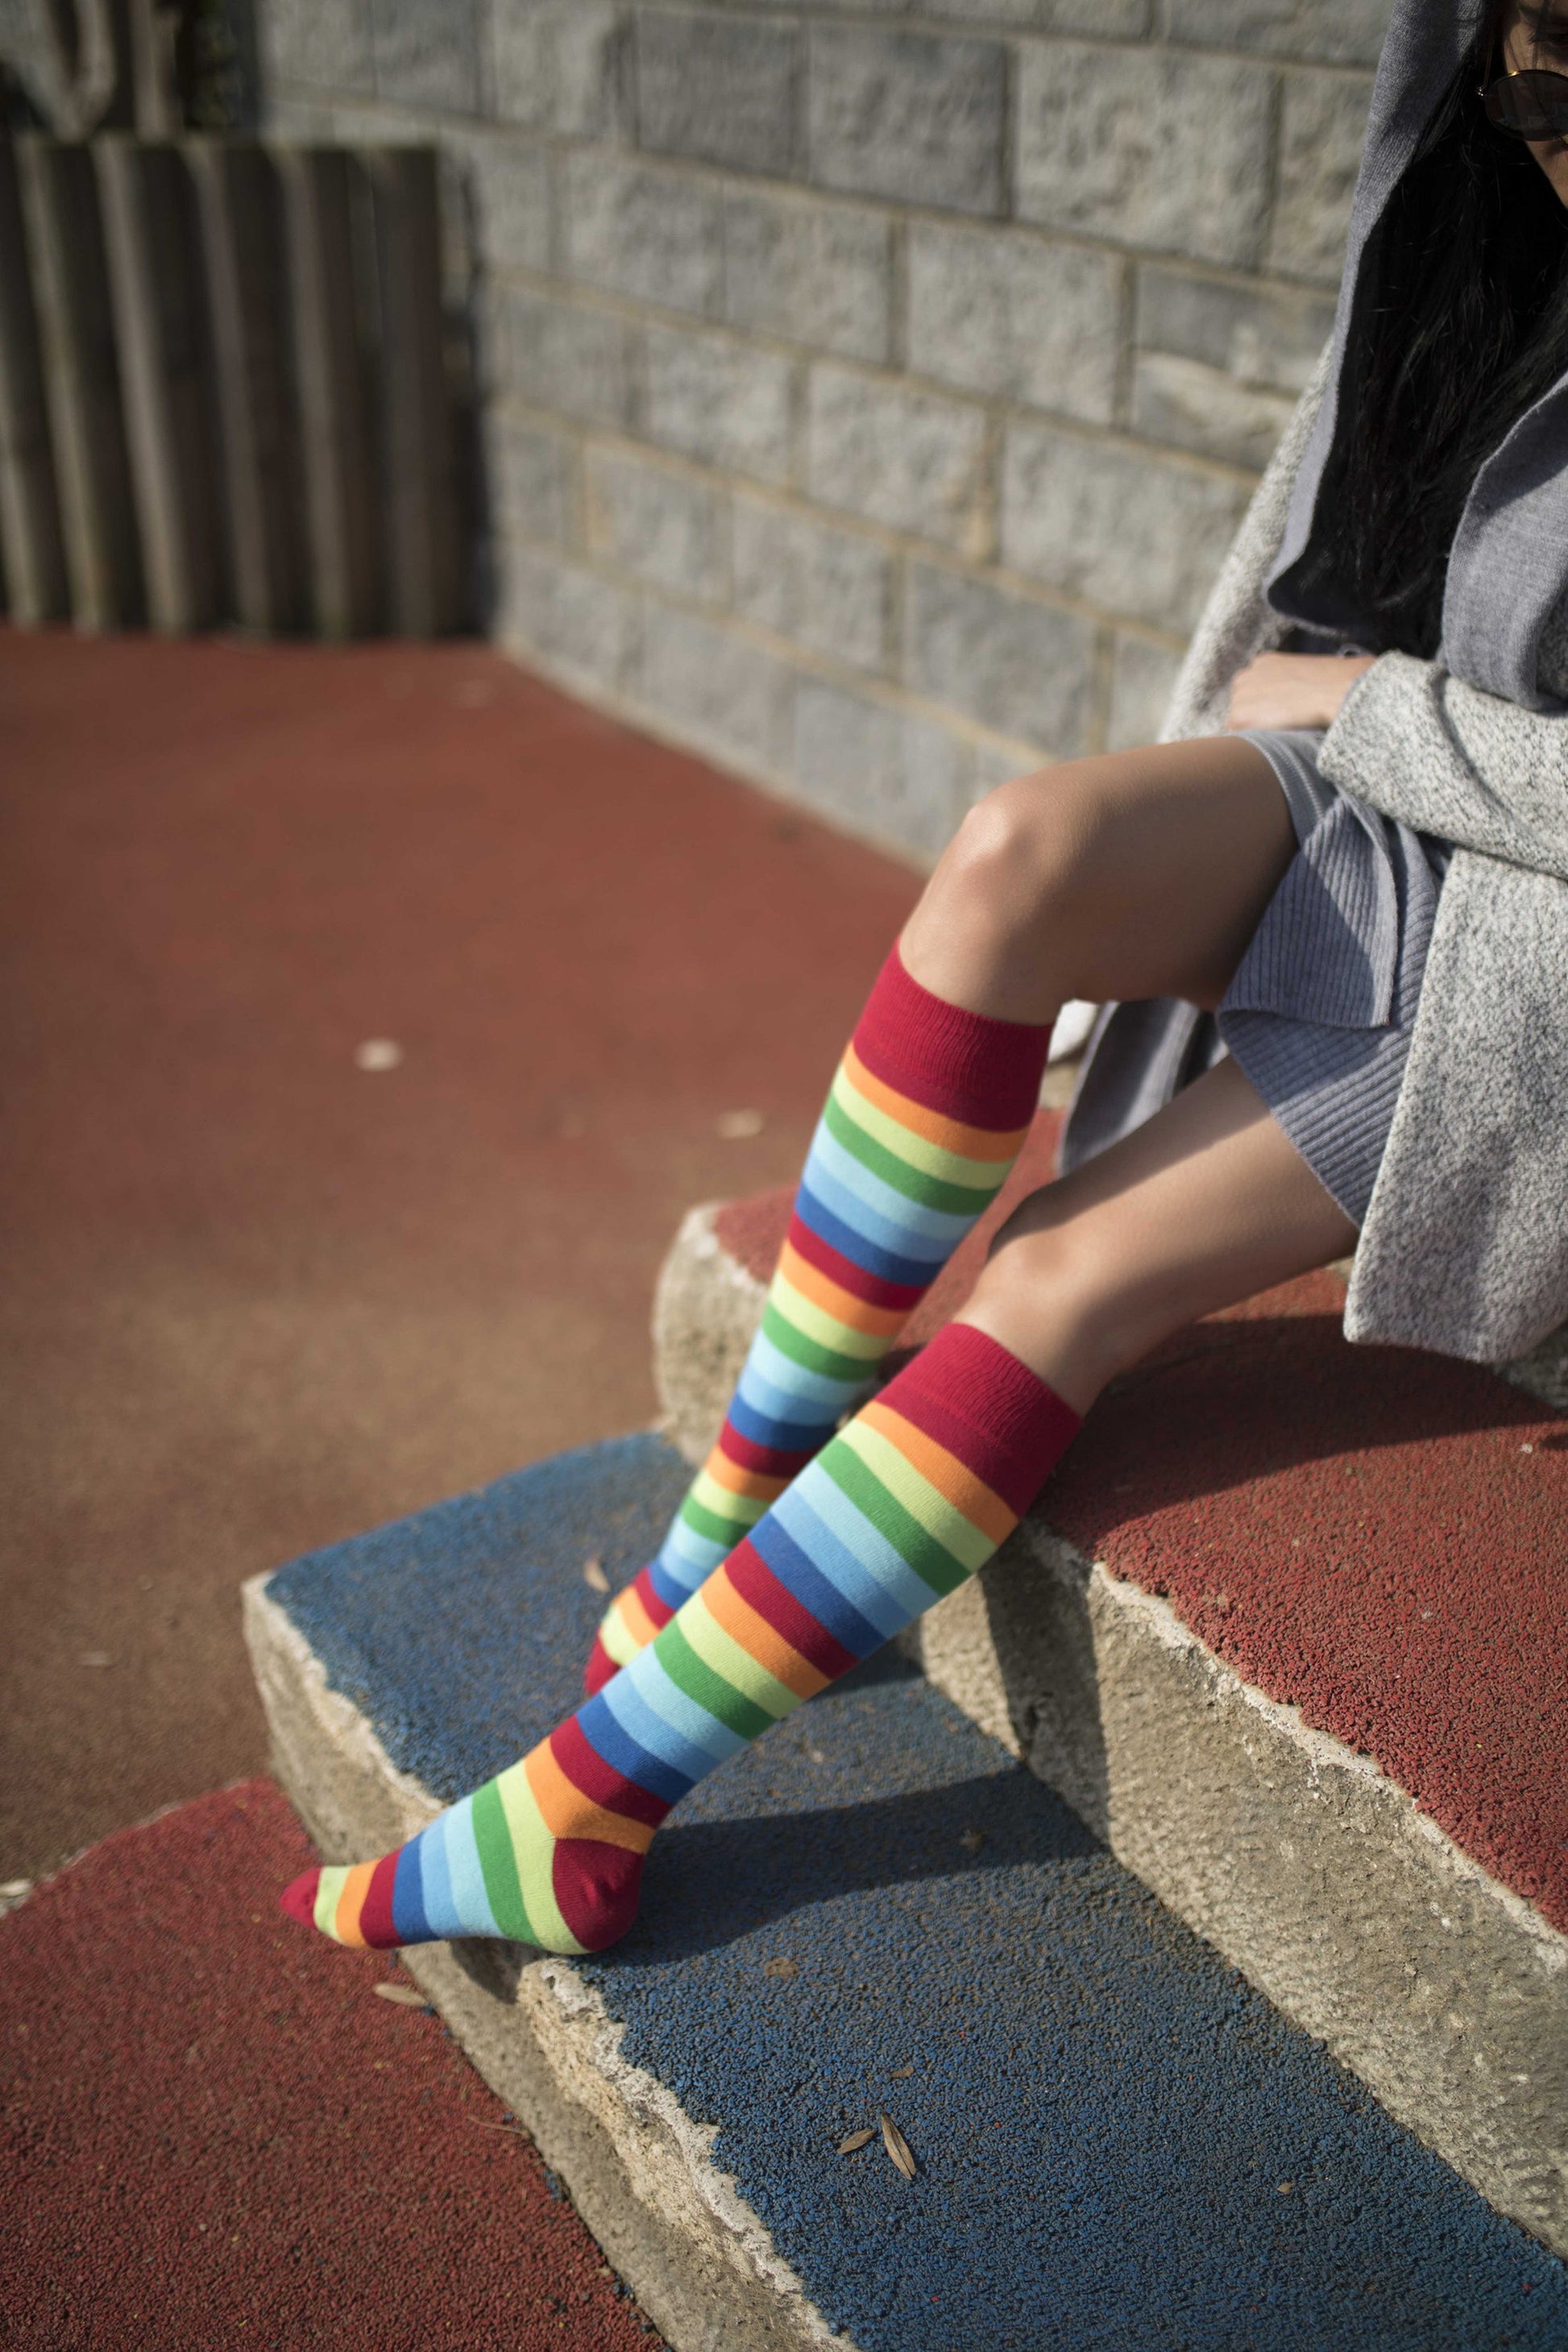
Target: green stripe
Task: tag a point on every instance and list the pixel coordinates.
(915, 1544)
(498, 1864)
(792, 1343)
(927, 1192)
(698, 1680)
(708, 1523)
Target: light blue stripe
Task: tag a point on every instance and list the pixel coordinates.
(770, 1376)
(470, 1903)
(946, 1227)
(831, 1507)
(690, 1558)
(441, 1913)
(870, 1207)
(833, 1560)
(650, 1731)
(683, 1715)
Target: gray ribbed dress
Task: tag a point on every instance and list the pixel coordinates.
(1320, 1013)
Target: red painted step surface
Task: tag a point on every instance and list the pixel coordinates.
(1376, 1536)
(218, 2135)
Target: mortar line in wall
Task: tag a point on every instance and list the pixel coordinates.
(905, 546)
(725, 179)
(997, 28)
(635, 312)
(806, 662)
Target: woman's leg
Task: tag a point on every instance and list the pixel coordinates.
(1138, 874)
(1205, 1203)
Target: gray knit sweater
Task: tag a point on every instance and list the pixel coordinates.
(1465, 1246)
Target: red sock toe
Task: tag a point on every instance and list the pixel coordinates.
(599, 1669)
(300, 1898)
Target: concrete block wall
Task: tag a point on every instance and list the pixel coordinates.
(870, 387)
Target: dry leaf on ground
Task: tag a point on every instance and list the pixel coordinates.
(896, 2146)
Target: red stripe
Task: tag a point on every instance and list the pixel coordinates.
(587, 1771)
(376, 1917)
(964, 1065)
(658, 1610)
(596, 1889)
(771, 1460)
(756, 1582)
(873, 1288)
(973, 1397)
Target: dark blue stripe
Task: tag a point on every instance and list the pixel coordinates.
(796, 1572)
(784, 1436)
(862, 1252)
(408, 1900)
(672, 1594)
(627, 1755)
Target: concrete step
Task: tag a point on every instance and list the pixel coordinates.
(1288, 1635)
(1120, 2145)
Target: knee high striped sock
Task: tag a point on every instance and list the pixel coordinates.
(926, 1116)
(900, 1506)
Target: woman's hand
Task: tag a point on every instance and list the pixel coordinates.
(1294, 689)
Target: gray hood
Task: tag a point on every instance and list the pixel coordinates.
(1509, 562)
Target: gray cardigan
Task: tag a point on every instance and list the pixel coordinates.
(1465, 1248)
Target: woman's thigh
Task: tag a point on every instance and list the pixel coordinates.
(1137, 874)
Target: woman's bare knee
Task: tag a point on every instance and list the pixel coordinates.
(998, 916)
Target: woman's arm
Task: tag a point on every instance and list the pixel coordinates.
(1422, 746)
(1293, 689)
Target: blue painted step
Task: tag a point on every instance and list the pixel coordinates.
(1121, 2145)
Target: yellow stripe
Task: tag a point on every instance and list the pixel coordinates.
(948, 1134)
(731, 1662)
(329, 1890)
(535, 1850)
(844, 1338)
(968, 1544)
(617, 1637)
(741, 1510)
(929, 1159)
(979, 1502)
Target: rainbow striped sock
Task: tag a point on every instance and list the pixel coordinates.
(901, 1506)
(927, 1114)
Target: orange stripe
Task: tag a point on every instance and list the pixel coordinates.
(729, 1609)
(350, 1902)
(738, 1480)
(968, 1142)
(833, 1299)
(980, 1504)
(568, 1813)
(635, 1617)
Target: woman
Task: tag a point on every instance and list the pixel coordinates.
(1334, 925)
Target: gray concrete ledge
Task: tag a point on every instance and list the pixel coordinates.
(1305, 1865)
(694, 2253)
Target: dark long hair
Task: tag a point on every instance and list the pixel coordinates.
(1461, 324)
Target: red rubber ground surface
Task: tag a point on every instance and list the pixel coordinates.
(253, 1299)
(1378, 1537)
(217, 2136)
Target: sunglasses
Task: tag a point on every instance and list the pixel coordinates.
(1531, 104)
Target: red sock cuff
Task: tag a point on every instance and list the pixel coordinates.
(964, 1065)
(971, 1395)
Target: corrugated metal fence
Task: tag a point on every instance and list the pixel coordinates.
(226, 392)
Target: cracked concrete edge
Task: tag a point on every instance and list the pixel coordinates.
(699, 2261)
(1299, 1861)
